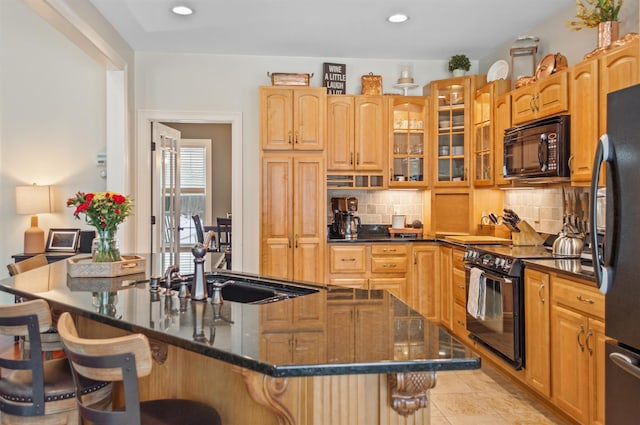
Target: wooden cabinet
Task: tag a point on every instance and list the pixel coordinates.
(408, 141)
(544, 98)
(591, 81)
(459, 296)
(446, 284)
(452, 101)
(370, 266)
(578, 350)
(537, 330)
(292, 118)
(502, 121)
(424, 295)
(356, 133)
(482, 155)
(293, 226)
(298, 347)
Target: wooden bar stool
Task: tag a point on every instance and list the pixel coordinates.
(35, 390)
(50, 340)
(126, 359)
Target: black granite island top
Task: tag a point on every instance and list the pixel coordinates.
(383, 336)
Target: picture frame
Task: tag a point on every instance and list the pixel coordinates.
(63, 240)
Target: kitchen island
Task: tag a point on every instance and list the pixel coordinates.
(333, 355)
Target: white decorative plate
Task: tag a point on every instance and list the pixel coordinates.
(498, 71)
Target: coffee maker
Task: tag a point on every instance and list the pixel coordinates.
(345, 222)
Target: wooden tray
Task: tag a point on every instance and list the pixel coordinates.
(86, 267)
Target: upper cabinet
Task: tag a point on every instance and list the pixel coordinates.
(501, 121)
(544, 98)
(452, 101)
(292, 118)
(356, 141)
(591, 81)
(483, 162)
(408, 141)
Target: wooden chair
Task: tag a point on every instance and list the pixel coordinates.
(34, 390)
(50, 340)
(28, 264)
(224, 238)
(126, 359)
(200, 232)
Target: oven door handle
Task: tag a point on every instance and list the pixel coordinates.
(490, 275)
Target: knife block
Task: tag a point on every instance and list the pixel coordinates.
(527, 236)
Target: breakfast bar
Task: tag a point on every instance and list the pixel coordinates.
(273, 352)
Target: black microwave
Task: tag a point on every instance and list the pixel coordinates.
(539, 149)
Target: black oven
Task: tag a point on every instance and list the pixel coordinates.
(498, 322)
(538, 149)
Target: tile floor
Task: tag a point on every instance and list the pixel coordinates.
(484, 397)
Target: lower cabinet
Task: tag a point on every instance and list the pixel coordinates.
(578, 350)
(370, 266)
(446, 283)
(424, 287)
(298, 347)
(536, 330)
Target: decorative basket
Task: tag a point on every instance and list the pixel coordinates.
(86, 267)
(372, 84)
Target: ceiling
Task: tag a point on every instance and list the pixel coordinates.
(436, 29)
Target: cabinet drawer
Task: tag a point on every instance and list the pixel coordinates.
(348, 259)
(389, 249)
(388, 264)
(460, 320)
(578, 296)
(458, 261)
(459, 287)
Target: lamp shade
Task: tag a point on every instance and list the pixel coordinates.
(33, 199)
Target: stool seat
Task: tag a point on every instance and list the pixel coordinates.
(177, 411)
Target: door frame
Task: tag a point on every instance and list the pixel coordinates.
(143, 171)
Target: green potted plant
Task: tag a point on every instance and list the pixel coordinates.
(601, 14)
(459, 64)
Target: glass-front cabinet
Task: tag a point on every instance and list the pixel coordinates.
(452, 101)
(409, 141)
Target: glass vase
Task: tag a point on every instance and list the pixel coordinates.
(105, 247)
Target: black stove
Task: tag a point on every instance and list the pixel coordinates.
(505, 259)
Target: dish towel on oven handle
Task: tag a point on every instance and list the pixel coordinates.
(476, 302)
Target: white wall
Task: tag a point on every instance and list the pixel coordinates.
(191, 82)
(52, 120)
(556, 37)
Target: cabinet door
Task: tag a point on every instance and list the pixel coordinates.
(396, 285)
(522, 105)
(425, 287)
(538, 349)
(446, 279)
(570, 366)
(309, 312)
(372, 325)
(276, 258)
(552, 97)
(347, 258)
(502, 121)
(597, 359)
(309, 229)
(618, 70)
(370, 147)
(584, 119)
(408, 144)
(276, 118)
(340, 128)
(309, 114)
(340, 333)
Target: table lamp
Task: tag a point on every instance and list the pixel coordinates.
(33, 200)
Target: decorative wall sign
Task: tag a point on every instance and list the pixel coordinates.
(335, 78)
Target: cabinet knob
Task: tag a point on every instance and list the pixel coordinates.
(540, 289)
(580, 332)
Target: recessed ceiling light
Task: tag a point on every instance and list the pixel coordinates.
(398, 18)
(182, 10)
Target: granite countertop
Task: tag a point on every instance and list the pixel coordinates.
(566, 266)
(399, 340)
(378, 233)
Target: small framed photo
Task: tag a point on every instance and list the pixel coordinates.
(63, 240)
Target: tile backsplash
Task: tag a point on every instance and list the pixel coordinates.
(542, 208)
(377, 206)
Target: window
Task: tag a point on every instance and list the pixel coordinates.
(195, 188)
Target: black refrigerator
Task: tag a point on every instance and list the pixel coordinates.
(617, 268)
